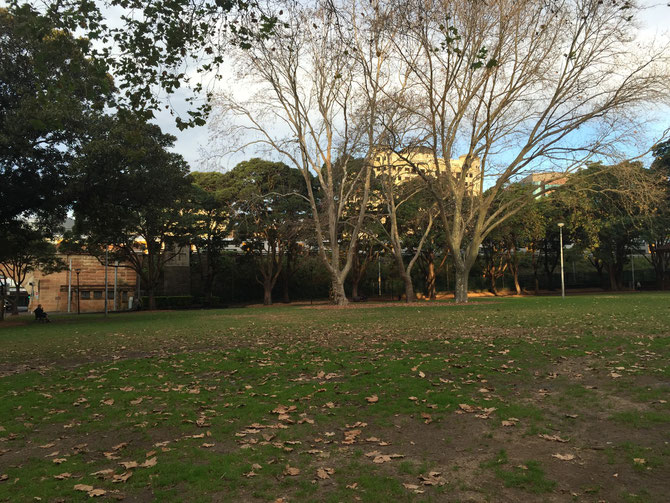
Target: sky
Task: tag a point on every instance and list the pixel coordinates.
(655, 22)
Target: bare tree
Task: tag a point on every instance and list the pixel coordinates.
(516, 86)
(318, 82)
(398, 224)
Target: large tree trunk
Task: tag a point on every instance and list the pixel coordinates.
(267, 291)
(409, 288)
(461, 275)
(337, 293)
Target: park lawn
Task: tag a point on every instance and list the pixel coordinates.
(517, 399)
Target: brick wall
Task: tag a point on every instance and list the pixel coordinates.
(51, 290)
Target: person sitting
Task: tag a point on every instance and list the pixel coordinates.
(40, 315)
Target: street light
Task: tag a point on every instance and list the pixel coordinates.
(560, 228)
(78, 295)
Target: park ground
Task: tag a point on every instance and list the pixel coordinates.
(516, 399)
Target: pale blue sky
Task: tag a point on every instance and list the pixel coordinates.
(655, 21)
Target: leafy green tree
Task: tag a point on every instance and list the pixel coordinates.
(158, 48)
(656, 228)
(24, 249)
(209, 220)
(51, 91)
(608, 206)
(130, 192)
(268, 209)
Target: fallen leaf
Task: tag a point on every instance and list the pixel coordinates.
(63, 476)
(129, 464)
(382, 458)
(552, 438)
(122, 477)
(97, 492)
(83, 487)
(322, 474)
(564, 457)
(58, 461)
(291, 471)
(149, 463)
(372, 399)
(103, 473)
(639, 461)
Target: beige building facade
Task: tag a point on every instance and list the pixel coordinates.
(402, 166)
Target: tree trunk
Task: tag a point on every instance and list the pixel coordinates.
(409, 288)
(494, 289)
(430, 277)
(337, 293)
(267, 292)
(355, 280)
(515, 276)
(461, 276)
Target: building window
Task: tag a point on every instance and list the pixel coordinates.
(110, 294)
(85, 294)
(97, 295)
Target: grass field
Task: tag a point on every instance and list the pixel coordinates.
(519, 399)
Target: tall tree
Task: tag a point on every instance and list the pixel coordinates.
(130, 192)
(656, 227)
(24, 249)
(608, 207)
(407, 221)
(320, 81)
(51, 92)
(209, 212)
(509, 85)
(268, 208)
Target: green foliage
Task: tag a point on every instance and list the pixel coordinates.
(51, 92)
(130, 191)
(154, 46)
(607, 214)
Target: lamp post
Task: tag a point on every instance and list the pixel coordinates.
(78, 295)
(560, 229)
